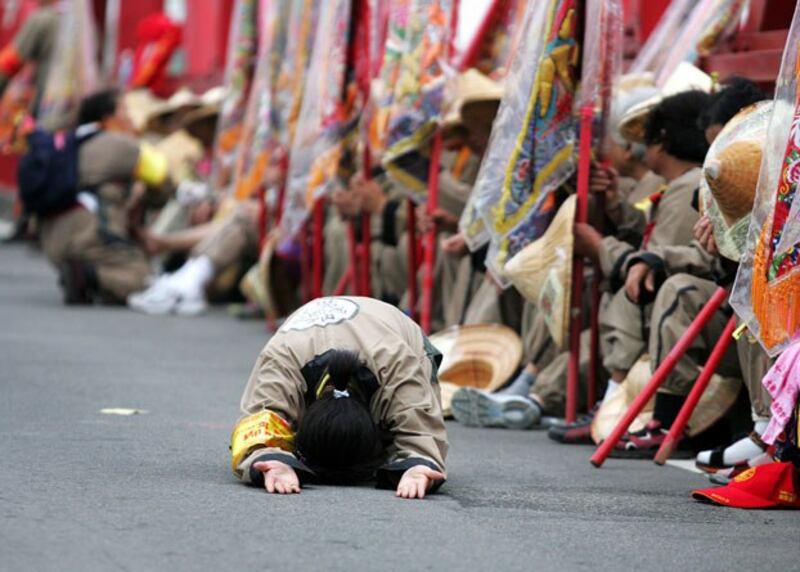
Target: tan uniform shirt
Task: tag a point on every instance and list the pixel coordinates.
(672, 224)
(405, 402)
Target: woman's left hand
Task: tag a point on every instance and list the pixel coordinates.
(417, 481)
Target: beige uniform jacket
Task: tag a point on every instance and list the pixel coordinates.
(400, 376)
(671, 221)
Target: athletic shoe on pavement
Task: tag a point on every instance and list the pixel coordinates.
(477, 408)
(577, 433)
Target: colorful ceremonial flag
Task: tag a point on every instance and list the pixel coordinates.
(708, 24)
(493, 56)
(73, 70)
(409, 92)
(324, 117)
(531, 152)
(259, 138)
(243, 44)
(766, 294)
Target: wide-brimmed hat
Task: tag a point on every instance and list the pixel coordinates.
(208, 106)
(272, 283)
(685, 78)
(630, 91)
(141, 105)
(542, 271)
(731, 170)
(483, 356)
(183, 100)
(473, 96)
(719, 396)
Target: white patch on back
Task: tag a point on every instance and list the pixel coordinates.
(320, 313)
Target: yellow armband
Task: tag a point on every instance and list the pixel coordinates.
(152, 168)
(264, 429)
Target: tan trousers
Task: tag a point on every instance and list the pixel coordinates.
(233, 238)
(492, 305)
(755, 364)
(677, 304)
(550, 387)
(121, 267)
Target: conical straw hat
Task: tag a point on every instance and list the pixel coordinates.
(482, 355)
(719, 396)
(733, 177)
(542, 272)
(731, 171)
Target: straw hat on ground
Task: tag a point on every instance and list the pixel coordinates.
(731, 171)
(542, 272)
(719, 396)
(685, 78)
(483, 356)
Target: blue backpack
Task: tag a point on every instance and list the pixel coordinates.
(47, 175)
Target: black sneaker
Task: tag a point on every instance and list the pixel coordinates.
(577, 433)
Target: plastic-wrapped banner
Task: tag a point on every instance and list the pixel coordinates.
(500, 40)
(766, 294)
(258, 139)
(294, 69)
(414, 70)
(531, 151)
(710, 22)
(243, 46)
(657, 48)
(73, 71)
(318, 142)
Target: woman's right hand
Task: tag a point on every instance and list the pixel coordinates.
(278, 477)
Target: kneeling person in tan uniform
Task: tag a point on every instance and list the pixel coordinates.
(89, 241)
(345, 391)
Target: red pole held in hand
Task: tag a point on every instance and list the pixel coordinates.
(576, 302)
(677, 352)
(699, 388)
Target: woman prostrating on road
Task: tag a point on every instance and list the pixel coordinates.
(346, 391)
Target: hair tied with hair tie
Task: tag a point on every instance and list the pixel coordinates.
(339, 394)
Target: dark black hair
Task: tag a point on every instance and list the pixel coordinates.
(337, 438)
(673, 124)
(98, 106)
(735, 94)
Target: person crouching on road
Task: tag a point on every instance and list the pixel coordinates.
(346, 391)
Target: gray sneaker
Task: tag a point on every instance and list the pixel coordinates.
(477, 408)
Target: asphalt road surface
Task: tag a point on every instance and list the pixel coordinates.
(81, 490)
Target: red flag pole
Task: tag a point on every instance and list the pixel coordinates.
(677, 352)
(413, 259)
(581, 216)
(433, 198)
(700, 385)
(473, 49)
(317, 255)
(363, 64)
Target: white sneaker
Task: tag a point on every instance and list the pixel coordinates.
(159, 299)
(190, 305)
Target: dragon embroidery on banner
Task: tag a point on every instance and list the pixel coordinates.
(543, 156)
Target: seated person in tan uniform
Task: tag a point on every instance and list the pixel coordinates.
(353, 383)
(90, 241)
(688, 274)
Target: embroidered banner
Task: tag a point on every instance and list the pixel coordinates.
(324, 114)
(766, 294)
(243, 45)
(531, 150)
(73, 71)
